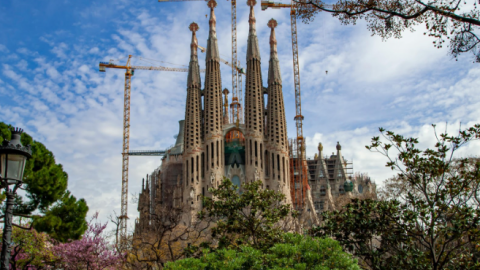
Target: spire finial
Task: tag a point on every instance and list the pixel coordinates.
(213, 20)
(273, 40)
(194, 45)
(251, 19)
(272, 23)
(193, 69)
(320, 147)
(212, 46)
(193, 27)
(212, 4)
(339, 147)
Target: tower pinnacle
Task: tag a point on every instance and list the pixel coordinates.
(193, 69)
(212, 46)
(194, 45)
(213, 20)
(274, 68)
(251, 18)
(252, 48)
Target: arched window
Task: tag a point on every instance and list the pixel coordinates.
(207, 158)
(341, 189)
(203, 164)
(267, 164)
(360, 188)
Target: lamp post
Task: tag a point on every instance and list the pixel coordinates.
(13, 156)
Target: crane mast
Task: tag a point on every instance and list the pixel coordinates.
(298, 106)
(297, 147)
(236, 107)
(129, 72)
(126, 145)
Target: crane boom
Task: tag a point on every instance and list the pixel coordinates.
(158, 68)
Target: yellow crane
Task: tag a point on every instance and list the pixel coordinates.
(129, 72)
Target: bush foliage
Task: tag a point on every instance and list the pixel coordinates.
(295, 252)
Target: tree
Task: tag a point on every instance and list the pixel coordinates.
(253, 217)
(31, 249)
(91, 252)
(295, 252)
(164, 238)
(50, 206)
(453, 20)
(433, 222)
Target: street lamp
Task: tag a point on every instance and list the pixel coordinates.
(13, 156)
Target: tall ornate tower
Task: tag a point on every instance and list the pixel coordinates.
(193, 150)
(254, 105)
(276, 154)
(213, 124)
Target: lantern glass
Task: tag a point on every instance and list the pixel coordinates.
(12, 166)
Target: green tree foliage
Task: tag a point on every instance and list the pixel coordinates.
(253, 217)
(63, 222)
(455, 20)
(53, 209)
(295, 252)
(431, 217)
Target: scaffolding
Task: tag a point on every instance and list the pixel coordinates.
(298, 179)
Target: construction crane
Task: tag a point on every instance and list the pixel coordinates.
(129, 72)
(237, 95)
(298, 164)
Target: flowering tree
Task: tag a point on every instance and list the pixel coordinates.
(31, 249)
(91, 252)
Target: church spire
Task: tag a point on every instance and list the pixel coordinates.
(276, 128)
(193, 67)
(254, 106)
(213, 110)
(274, 66)
(212, 44)
(191, 139)
(253, 52)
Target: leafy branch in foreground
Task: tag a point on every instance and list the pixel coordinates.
(453, 20)
(430, 217)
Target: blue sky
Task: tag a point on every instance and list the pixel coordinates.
(51, 87)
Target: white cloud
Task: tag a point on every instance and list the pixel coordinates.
(59, 50)
(3, 48)
(94, 50)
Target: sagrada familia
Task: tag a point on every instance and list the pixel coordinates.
(208, 148)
